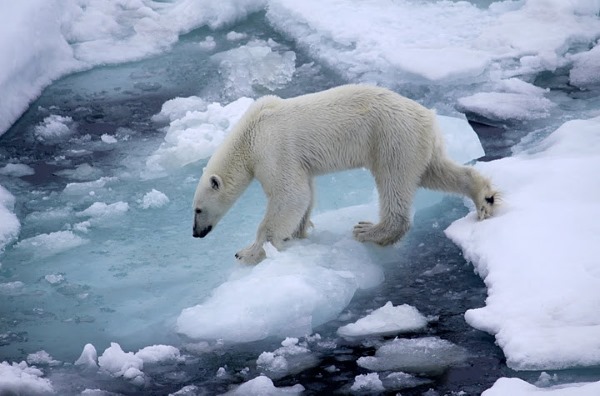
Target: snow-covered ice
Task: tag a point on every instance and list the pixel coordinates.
(386, 320)
(518, 387)
(538, 256)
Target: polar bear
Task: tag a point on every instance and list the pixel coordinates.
(285, 143)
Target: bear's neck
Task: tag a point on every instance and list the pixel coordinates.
(233, 167)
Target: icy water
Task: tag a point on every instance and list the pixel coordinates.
(123, 272)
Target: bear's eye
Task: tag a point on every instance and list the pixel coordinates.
(198, 211)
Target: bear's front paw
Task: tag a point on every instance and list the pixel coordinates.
(251, 255)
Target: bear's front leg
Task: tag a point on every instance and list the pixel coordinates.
(288, 211)
(252, 254)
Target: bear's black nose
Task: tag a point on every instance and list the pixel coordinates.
(202, 233)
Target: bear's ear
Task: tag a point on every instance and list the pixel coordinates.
(215, 182)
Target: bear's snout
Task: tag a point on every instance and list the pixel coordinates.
(202, 233)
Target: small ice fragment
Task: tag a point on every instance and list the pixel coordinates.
(388, 319)
(235, 36)
(41, 358)
(122, 364)
(16, 170)
(367, 383)
(109, 139)
(88, 357)
(264, 386)
(158, 353)
(154, 199)
(208, 43)
(420, 355)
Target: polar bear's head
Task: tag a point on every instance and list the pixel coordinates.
(209, 204)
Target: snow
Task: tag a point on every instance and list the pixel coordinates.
(538, 255)
(518, 387)
(73, 35)
(386, 320)
(20, 379)
(431, 355)
(586, 68)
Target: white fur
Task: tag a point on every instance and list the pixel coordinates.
(284, 143)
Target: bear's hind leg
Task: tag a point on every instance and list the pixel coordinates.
(395, 200)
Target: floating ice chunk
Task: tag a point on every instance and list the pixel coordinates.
(122, 364)
(154, 199)
(506, 106)
(546, 229)
(307, 284)
(88, 358)
(188, 390)
(367, 383)
(586, 68)
(101, 210)
(11, 288)
(235, 36)
(42, 358)
(290, 359)
(401, 380)
(208, 44)
(158, 354)
(81, 172)
(87, 188)
(193, 134)
(54, 129)
(108, 139)
(365, 49)
(255, 64)
(263, 386)
(20, 379)
(420, 355)
(45, 245)
(54, 279)
(516, 386)
(386, 320)
(16, 170)
(9, 223)
(177, 108)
